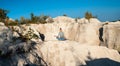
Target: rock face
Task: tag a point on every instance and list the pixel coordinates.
(83, 33)
(14, 52)
(58, 53)
(5, 34)
(21, 54)
(80, 49)
(111, 35)
(70, 53)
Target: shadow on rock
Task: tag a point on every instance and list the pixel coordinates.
(102, 62)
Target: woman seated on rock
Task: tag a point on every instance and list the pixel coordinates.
(60, 35)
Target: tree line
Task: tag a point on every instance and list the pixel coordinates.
(33, 18)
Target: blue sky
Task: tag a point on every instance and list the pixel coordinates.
(105, 10)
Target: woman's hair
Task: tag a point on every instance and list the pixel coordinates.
(60, 28)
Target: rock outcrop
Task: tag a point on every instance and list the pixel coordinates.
(15, 52)
(5, 34)
(111, 35)
(63, 19)
(83, 33)
(58, 53)
(71, 53)
(21, 54)
(80, 49)
(92, 20)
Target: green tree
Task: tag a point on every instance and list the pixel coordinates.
(16, 20)
(3, 14)
(88, 16)
(42, 19)
(22, 20)
(32, 17)
(38, 19)
(64, 15)
(76, 19)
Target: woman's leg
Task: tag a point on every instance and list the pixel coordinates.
(62, 39)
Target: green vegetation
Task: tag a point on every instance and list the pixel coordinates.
(30, 34)
(88, 15)
(25, 37)
(33, 20)
(76, 19)
(13, 23)
(64, 14)
(3, 15)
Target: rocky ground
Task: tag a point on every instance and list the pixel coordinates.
(89, 43)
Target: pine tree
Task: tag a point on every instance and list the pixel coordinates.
(3, 14)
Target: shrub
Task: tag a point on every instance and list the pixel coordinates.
(88, 15)
(64, 15)
(12, 23)
(3, 15)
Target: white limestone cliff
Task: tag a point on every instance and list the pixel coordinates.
(83, 33)
(80, 49)
(111, 35)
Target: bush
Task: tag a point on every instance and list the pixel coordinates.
(43, 22)
(30, 34)
(12, 23)
(3, 15)
(64, 15)
(88, 15)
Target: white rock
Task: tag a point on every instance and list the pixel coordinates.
(111, 35)
(49, 20)
(63, 19)
(2, 24)
(71, 53)
(83, 33)
(5, 34)
(92, 20)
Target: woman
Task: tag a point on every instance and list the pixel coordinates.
(60, 35)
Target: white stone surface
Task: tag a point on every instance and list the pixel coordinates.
(71, 53)
(83, 33)
(111, 35)
(5, 34)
